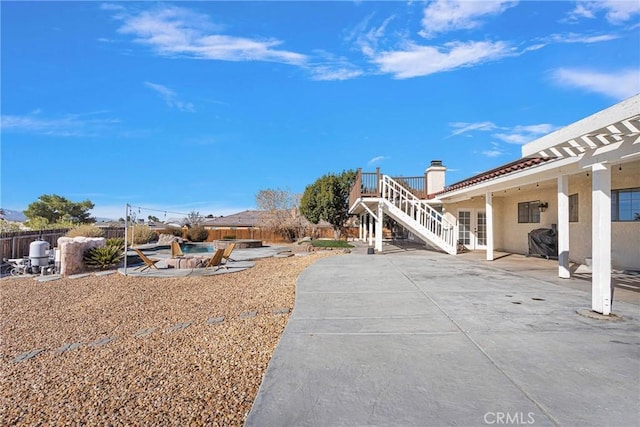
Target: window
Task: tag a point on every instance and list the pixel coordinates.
(529, 212)
(573, 208)
(625, 205)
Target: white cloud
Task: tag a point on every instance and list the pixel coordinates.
(463, 127)
(375, 160)
(524, 134)
(616, 12)
(330, 73)
(170, 97)
(417, 60)
(581, 38)
(618, 85)
(328, 66)
(176, 31)
(70, 125)
(520, 134)
(367, 40)
(495, 151)
(443, 16)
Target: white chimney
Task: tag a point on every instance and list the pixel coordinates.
(434, 177)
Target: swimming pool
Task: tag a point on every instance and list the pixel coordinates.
(197, 248)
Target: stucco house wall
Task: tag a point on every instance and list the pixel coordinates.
(511, 236)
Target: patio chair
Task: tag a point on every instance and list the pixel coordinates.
(149, 262)
(227, 252)
(176, 250)
(216, 260)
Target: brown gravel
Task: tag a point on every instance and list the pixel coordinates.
(206, 374)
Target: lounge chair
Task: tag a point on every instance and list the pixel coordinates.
(216, 260)
(176, 250)
(149, 262)
(227, 252)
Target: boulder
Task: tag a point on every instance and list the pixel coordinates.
(167, 239)
(72, 250)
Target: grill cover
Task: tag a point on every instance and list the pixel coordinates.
(544, 242)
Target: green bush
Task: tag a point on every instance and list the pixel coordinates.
(142, 234)
(104, 257)
(198, 233)
(229, 237)
(85, 230)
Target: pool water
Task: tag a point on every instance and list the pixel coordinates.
(191, 248)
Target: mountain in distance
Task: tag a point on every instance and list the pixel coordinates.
(11, 215)
(18, 216)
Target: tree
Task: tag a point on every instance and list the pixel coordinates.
(56, 209)
(280, 211)
(192, 219)
(327, 199)
(152, 218)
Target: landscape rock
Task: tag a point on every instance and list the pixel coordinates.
(167, 239)
(72, 250)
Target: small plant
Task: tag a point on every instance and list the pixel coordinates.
(143, 234)
(116, 241)
(85, 230)
(198, 233)
(229, 237)
(105, 256)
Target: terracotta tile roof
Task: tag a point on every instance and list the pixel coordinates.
(512, 167)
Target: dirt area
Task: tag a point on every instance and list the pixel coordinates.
(203, 373)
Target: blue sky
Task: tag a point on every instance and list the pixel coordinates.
(196, 106)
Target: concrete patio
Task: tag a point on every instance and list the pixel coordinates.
(417, 338)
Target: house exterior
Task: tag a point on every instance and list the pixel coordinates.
(256, 224)
(582, 182)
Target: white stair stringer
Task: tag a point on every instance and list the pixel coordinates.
(417, 216)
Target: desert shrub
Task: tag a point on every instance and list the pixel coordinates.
(198, 233)
(143, 234)
(174, 231)
(105, 256)
(116, 241)
(85, 230)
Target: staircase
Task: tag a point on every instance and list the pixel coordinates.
(417, 216)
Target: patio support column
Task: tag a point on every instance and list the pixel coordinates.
(360, 227)
(379, 223)
(601, 238)
(489, 218)
(370, 230)
(563, 227)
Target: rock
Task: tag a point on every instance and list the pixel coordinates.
(167, 239)
(72, 250)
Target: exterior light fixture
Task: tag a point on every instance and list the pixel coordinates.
(543, 206)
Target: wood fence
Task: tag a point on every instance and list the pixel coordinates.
(263, 234)
(15, 244)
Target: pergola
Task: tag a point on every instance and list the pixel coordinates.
(609, 137)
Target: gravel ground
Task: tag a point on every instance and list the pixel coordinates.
(204, 373)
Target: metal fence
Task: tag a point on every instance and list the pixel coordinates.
(15, 244)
